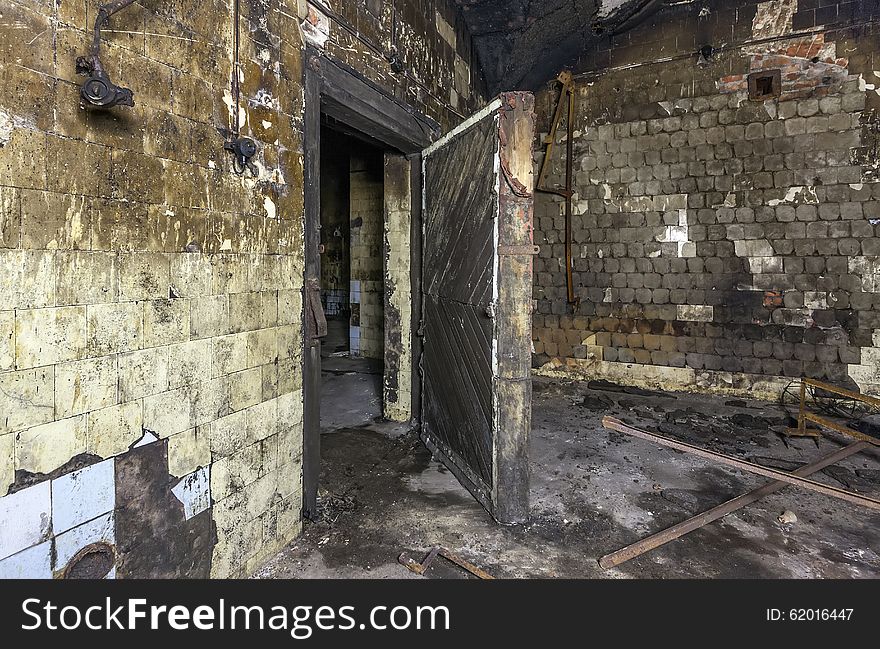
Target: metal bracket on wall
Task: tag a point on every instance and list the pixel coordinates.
(98, 91)
(565, 103)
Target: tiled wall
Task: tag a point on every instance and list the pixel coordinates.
(720, 243)
(149, 294)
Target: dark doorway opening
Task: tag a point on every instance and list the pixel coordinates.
(352, 280)
(340, 103)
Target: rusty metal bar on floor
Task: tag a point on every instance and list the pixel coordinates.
(615, 424)
(700, 520)
(419, 568)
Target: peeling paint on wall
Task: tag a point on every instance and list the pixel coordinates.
(773, 18)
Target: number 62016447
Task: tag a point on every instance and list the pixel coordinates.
(809, 614)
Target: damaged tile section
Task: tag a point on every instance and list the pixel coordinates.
(194, 491)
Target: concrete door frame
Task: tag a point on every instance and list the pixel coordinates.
(334, 89)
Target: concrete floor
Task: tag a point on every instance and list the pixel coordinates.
(593, 491)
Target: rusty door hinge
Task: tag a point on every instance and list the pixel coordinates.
(317, 320)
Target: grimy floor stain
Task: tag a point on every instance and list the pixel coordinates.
(593, 491)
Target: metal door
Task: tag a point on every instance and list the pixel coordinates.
(477, 303)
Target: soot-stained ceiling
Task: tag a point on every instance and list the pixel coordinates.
(523, 43)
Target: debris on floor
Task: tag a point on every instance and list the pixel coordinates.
(439, 551)
(593, 493)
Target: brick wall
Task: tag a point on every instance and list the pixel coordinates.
(150, 297)
(720, 243)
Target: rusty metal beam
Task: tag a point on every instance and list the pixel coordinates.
(700, 520)
(615, 424)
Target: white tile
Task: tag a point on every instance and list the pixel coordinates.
(148, 438)
(72, 541)
(33, 563)
(83, 495)
(25, 518)
(194, 491)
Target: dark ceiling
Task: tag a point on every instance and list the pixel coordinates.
(523, 43)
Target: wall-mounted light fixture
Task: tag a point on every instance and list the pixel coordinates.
(98, 91)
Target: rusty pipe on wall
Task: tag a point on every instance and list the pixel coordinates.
(565, 103)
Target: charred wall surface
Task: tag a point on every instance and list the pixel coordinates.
(721, 241)
(149, 294)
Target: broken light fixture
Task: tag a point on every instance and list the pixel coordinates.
(98, 91)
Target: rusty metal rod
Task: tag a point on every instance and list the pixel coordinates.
(720, 511)
(569, 192)
(567, 102)
(615, 424)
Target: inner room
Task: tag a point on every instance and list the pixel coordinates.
(352, 280)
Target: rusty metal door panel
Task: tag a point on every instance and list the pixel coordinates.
(476, 320)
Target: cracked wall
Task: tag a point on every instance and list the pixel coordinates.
(150, 297)
(720, 243)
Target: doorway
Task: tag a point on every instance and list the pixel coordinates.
(369, 334)
(352, 280)
(456, 238)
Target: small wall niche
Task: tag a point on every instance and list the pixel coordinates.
(765, 84)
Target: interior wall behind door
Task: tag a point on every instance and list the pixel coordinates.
(367, 214)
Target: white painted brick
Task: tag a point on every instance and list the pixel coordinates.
(7, 340)
(27, 398)
(85, 385)
(113, 328)
(83, 495)
(191, 275)
(25, 518)
(209, 316)
(113, 430)
(49, 336)
(85, 277)
(169, 413)
(211, 400)
(32, 563)
(100, 529)
(753, 248)
(144, 276)
(289, 341)
(262, 420)
(7, 462)
(695, 313)
(245, 388)
(229, 434)
(36, 283)
(44, 448)
(262, 347)
(230, 275)
(166, 321)
(229, 354)
(143, 373)
(188, 451)
(189, 362)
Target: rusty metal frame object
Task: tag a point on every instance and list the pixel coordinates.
(805, 416)
(720, 511)
(783, 476)
(439, 550)
(566, 102)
